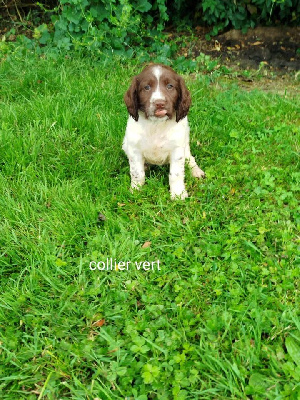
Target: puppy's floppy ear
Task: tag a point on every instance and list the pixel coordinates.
(183, 102)
(131, 99)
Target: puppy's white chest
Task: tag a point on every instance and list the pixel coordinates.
(156, 148)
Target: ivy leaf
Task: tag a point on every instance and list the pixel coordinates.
(143, 6)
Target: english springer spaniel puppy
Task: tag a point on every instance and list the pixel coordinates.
(157, 129)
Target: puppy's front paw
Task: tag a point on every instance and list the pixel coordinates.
(137, 183)
(197, 172)
(135, 186)
(179, 196)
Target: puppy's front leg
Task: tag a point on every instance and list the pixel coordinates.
(176, 177)
(137, 171)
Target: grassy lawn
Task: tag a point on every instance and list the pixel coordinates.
(218, 316)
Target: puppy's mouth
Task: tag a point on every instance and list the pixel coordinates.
(157, 112)
(160, 113)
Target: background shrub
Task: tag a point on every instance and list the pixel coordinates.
(124, 26)
(244, 14)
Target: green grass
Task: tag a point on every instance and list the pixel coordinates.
(220, 319)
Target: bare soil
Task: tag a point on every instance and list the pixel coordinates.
(278, 48)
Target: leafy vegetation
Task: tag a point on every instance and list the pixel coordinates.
(220, 318)
(127, 28)
(245, 14)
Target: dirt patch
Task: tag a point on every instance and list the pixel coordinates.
(277, 48)
(284, 85)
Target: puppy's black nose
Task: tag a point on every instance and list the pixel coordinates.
(160, 105)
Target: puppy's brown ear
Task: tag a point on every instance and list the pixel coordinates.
(131, 99)
(183, 102)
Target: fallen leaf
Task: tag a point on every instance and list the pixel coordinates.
(114, 350)
(121, 204)
(146, 244)
(257, 43)
(139, 304)
(101, 217)
(217, 45)
(99, 323)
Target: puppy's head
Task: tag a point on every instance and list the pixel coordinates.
(158, 92)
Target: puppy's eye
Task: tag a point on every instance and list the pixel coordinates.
(147, 87)
(169, 86)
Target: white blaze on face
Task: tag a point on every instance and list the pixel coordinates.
(157, 94)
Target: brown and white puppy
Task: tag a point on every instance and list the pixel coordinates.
(157, 130)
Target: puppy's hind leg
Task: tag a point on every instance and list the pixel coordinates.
(195, 170)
